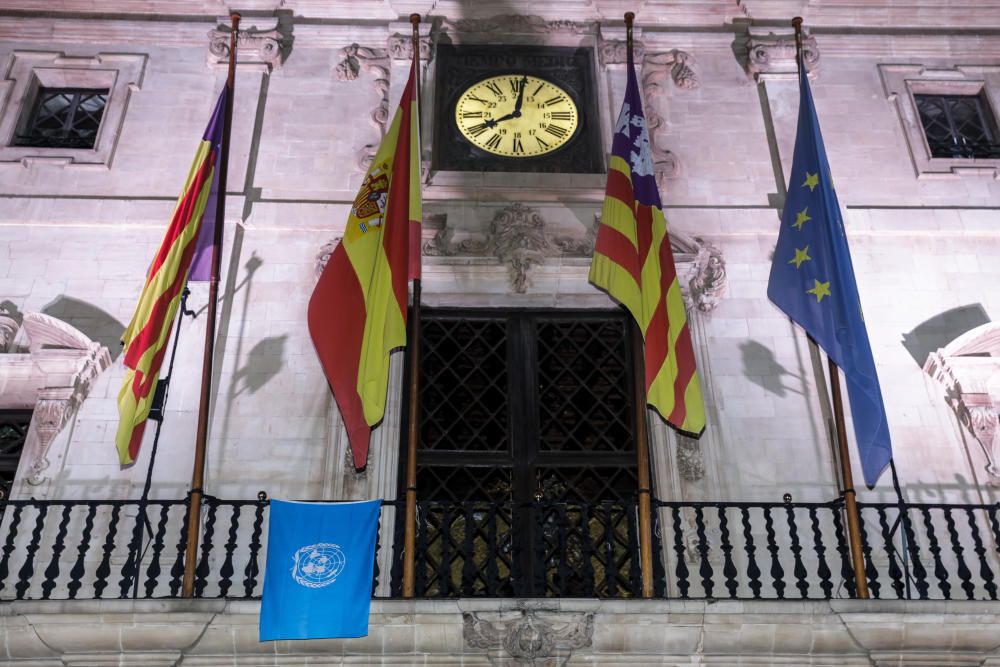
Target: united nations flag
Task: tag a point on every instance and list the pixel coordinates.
(318, 577)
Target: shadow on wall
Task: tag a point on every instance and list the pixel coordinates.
(761, 368)
(92, 322)
(264, 361)
(938, 331)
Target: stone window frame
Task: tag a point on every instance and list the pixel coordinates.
(902, 82)
(29, 71)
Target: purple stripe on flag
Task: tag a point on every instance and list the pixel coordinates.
(201, 266)
(631, 143)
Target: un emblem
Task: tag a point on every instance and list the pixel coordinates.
(318, 565)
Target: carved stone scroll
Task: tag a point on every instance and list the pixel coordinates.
(969, 370)
(401, 48)
(528, 637)
(267, 46)
(656, 67)
(771, 55)
(375, 61)
(53, 375)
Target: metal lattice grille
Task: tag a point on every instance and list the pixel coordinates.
(464, 385)
(958, 126)
(13, 434)
(64, 118)
(584, 402)
(526, 474)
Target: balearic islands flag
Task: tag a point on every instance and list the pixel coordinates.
(145, 339)
(357, 313)
(633, 263)
(812, 281)
(318, 576)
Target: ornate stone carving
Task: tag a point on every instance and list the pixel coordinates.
(9, 326)
(771, 54)
(615, 51)
(401, 47)
(323, 256)
(528, 637)
(519, 23)
(517, 238)
(969, 369)
(690, 459)
(572, 246)
(375, 61)
(268, 46)
(61, 365)
(655, 69)
(700, 267)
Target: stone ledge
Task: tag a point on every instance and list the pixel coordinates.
(725, 632)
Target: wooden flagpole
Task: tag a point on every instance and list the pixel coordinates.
(641, 431)
(413, 350)
(847, 478)
(204, 409)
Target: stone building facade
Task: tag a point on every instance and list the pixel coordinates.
(315, 86)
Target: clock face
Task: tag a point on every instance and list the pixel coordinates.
(516, 115)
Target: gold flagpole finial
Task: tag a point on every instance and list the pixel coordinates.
(797, 24)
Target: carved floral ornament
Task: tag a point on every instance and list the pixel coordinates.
(51, 368)
(528, 637)
(267, 46)
(969, 370)
(517, 236)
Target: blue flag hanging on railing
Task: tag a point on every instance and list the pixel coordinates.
(318, 577)
(812, 280)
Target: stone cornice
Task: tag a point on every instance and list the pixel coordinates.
(842, 632)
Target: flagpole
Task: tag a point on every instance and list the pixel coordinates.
(413, 350)
(641, 430)
(204, 409)
(847, 478)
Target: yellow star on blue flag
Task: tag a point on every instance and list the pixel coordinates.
(812, 281)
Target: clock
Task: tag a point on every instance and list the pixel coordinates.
(516, 108)
(516, 115)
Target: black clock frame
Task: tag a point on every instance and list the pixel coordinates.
(570, 68)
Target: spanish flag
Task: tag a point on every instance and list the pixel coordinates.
(633, 263)
(145, 339)
(357, 313)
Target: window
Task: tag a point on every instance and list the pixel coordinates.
(65, 111)
(13, 434)
(526, 461)
(958, 126)
(64, 118)
(946, 115)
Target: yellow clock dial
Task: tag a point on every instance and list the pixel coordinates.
(516, 115)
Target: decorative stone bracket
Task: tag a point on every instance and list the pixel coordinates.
(528, 637)
(517, 236)
(655, 70)
(49, 366)
(772, 56)
(376, 62)
(266, 47)
(972, 387)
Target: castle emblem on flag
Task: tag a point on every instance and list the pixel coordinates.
(318, 565)
(369, 205)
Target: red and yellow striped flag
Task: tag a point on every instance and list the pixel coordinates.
(145, 339)
(633, 263)
(357, 313)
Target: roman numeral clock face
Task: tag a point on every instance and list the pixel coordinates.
(516, 115)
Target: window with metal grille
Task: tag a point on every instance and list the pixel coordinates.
(13, 433)
(958, 126)
(64, 118)
(526, 459)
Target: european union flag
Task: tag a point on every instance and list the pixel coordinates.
(318, 577)
(812, 280)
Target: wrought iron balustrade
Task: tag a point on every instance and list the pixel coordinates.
(91, 549)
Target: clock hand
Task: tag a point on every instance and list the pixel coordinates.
(492, 123)
(520, 97)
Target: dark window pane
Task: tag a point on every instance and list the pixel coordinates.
(64, 118)
(13, 433)
(958, 126)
